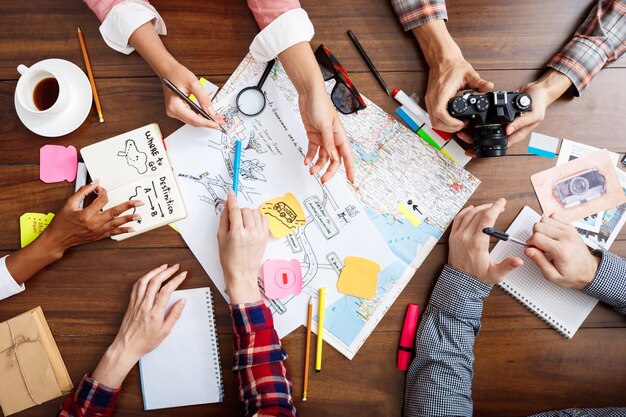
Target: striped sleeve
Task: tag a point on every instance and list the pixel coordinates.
(439, 381)
(264, 384)
(601, 39)
(414, 13)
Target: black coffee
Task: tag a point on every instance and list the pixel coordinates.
(46, 93)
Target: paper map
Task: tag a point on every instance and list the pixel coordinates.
(394, 169)
(331, 225)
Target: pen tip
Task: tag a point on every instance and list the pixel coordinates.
(78, 29)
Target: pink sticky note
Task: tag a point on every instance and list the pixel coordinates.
(281, 278)
(57, 163)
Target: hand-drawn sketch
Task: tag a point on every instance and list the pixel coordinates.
(134, 157)
(272, 168)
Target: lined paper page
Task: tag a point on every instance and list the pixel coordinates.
(565, 309)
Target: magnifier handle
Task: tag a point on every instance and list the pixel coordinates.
(267, 71)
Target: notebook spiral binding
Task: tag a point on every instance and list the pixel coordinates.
(216, 343)
(535, 310)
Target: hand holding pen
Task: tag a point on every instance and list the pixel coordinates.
(181, 107)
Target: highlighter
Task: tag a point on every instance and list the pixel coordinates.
(407, 338)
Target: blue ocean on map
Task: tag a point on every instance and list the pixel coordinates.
(346, 317)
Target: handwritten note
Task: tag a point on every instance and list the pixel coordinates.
(57, 163)
(359, 277)
(285, 215)
(32, 225)
(281, 278)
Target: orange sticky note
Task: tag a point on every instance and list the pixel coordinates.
(285, 215)
(359, 277)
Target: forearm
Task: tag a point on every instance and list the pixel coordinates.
(439, 381)
(147, 42)
(26, 262)
(437, 44)
(114, 366)
(303, 69)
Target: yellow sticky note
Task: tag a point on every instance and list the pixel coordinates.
(359, 277)
(193, 98)
(406, 212)
(32, 225)
(285, 215)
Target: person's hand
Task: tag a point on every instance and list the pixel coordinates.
(543, 92)
(445, 80)
(74, 225)
(176, 107)
(327, 136)
(242, 238)
(145, 324)
(561, 254)
(469, 246)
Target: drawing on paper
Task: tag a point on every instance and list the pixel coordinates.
(134, 157)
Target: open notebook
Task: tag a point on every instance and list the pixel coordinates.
(185, 368)
(565, 309)
(134, 166)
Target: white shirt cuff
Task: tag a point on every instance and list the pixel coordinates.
(124, 18)
(286, 30)
(8, 286)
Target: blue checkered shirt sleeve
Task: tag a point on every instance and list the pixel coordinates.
(609, 285)
(439, 381)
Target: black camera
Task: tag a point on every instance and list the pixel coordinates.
(487, 114)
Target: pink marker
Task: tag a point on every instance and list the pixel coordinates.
(407, 339)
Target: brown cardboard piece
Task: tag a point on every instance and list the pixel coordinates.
(31, 366)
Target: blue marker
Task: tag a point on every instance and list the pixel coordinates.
(236, 166)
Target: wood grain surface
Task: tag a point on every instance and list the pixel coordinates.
(522, 365)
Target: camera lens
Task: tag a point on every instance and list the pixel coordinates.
(579, 185)
(490, 141)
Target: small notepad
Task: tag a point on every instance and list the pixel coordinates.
(134, 166)
(185, 368)
(564, 309)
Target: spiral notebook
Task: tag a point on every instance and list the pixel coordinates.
(185, 368)
(564, 309)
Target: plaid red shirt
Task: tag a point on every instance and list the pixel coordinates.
(601, 39)
(264, 385)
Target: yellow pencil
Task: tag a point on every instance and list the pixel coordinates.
(308, 348)
(96, 100)
(320, 329)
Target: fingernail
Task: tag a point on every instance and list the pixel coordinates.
(97, 181)
(184, 274)
(131, 230)
(335, 155)
(136, 216)
(138, 203)
(183, 301)
(511, 129)
(163, 266)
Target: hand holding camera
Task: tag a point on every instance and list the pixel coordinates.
(488, 114)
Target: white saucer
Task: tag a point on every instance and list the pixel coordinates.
(77, 110)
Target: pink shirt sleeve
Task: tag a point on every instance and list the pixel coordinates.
(265, 11)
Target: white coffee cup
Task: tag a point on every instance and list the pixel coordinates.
(30, 77)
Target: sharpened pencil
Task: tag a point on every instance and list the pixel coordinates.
(308, 349)
(92, 81)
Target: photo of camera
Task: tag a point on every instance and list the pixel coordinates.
(580, 188)
(487, 114)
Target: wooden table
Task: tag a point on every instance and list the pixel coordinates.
(522, 365)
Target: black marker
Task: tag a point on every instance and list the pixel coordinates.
(492, 231)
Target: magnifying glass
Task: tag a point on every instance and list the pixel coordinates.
(251, 100)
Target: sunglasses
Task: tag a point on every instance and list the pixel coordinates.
(344, 96)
